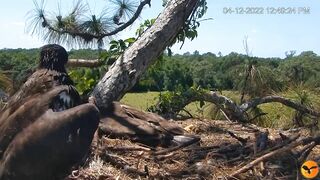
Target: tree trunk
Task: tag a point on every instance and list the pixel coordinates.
(125, 72)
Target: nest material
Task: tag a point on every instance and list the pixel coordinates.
(219, 155)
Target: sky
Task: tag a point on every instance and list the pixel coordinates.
(269, 34)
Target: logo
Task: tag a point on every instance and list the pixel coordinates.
(309, 169)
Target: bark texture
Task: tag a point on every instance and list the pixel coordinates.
(125, 72)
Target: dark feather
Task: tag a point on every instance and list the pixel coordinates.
(65, 100)
(53, 57)
(122, 121)
(44, 129)
(50, 146)
(51, 72)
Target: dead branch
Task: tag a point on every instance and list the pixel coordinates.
(304, 153)
(257, 116)
(186, 111)
(120, 163)
(283, 144)
(224, 114)
(128, 149)
(276, 152)
(288, 102)
(231, 109)
(236, 112)
(166, 156)
(240, 139)
(207, 148)
(90, 63)
(188, 143)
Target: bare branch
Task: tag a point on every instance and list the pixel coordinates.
(236, 112)
(268, 99)
(304, 141)
(84, 63)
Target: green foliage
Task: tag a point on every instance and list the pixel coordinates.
(5, 83)
(170, 72)
(118, 47)
(85, 79)
(281, 116)
(228, 73)
(302, 69)
(306, 97)
(171, 102)
(189, 30)
(144, 26)
(18, 64)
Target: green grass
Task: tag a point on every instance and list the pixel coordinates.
(279, 116)
(142, 100)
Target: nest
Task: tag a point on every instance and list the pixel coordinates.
(227, 150)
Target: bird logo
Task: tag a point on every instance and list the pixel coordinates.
(309, 169)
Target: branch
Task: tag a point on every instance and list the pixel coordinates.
(89, 36)
(268, 99)
(235, 112)
(84, 63)
(231, 109)
(304, 141)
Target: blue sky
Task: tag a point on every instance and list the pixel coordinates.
(269, 35)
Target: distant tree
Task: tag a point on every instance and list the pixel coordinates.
(187, 54)
(196, 53)
(290, 54)
(306, 54)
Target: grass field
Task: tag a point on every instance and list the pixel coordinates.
(278, 115)
(144, 100)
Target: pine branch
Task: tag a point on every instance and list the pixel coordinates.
(88, 36)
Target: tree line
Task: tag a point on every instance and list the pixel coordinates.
(208, 70)
(228, 72)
